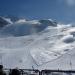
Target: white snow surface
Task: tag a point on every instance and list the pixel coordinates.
(8, 20)
(21, 21)
(48, 49)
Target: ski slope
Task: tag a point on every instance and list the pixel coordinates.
(38, 44)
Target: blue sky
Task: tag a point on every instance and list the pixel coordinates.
(60, 10)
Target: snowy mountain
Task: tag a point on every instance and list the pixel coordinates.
(4, 21)
(22, 27)
(38, 44)
(12, 18)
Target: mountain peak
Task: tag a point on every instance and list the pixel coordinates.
(3, 22)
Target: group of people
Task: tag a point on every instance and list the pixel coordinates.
(12, 72)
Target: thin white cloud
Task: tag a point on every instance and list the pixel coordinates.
(70, 2)
(67, 2)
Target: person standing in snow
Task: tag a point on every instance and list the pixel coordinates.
(1, 70)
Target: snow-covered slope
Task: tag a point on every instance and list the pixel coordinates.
(4, 21)
(40, 44)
